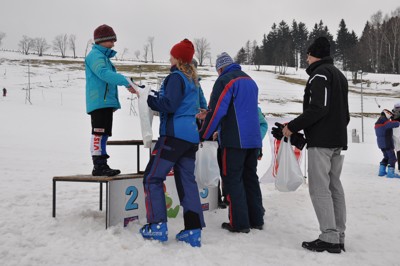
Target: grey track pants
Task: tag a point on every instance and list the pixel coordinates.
(326, 191)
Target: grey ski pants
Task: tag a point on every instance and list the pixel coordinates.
(326, 192)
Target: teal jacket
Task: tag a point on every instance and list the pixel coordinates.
(263, 123)
(102, 79)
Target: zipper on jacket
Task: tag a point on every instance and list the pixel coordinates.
(105, 93)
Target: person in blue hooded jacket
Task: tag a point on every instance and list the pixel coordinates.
(233, 112)
(178, 103)
(102, 96)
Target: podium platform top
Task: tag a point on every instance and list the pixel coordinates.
(90, 178)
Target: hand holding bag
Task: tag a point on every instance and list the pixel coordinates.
(289, 176)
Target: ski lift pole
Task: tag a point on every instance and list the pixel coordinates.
(28, 91)
(362, 108)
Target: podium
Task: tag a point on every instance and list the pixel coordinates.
(125, 194)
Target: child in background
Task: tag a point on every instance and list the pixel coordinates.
(384, 133)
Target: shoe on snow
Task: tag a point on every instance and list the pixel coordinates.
(258, 227)
(342, 247)
(191, 236)
(104, 170)
(227, 226)
(320, 246)
(222, 205)
(157, 231)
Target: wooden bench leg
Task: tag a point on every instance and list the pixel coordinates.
(54, 198)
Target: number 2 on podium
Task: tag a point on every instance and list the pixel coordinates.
(131, 205)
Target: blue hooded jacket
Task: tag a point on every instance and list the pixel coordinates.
(384, 132)
(102, 79)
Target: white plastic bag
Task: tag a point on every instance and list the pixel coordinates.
(206, 168)
(289, 176)
(396, 138)
(146, 118)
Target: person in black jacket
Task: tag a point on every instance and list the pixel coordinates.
(324, 120)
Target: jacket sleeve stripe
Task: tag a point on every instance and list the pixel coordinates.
(317, 75)
(212, 125)
(390, 123)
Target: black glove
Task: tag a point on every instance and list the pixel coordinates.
(297, 139)
(277, 131)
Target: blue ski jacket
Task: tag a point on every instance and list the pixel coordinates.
(233, 110)
(178, 103)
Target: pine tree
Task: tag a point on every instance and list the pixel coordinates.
(345, 43)
(241, 56)
(300, 37)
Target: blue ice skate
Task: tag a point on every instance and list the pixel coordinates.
(157, 231)
(191, 236)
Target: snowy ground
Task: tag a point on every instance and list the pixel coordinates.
(51, 137)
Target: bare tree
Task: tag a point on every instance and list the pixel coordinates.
(60, 44)
(71, 42)
(124, 52)
(151, 44)
(392, 38)
(26, 44)
(253, 55)
(137, 54)
(376, 23)
(89, 42)
(248, 49)
(202, 48)
(2, 35)
(40, 44)
(145, 52)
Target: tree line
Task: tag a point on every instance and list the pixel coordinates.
(377, 50)
(64, 42)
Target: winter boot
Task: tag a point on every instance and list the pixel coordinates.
(101, 168)
(391, 173)
(155, 231)
(382, 170)
(104, 170)
(191, 236)
(227, 226)
(320, 246)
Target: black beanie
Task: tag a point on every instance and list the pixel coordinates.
(320, 48)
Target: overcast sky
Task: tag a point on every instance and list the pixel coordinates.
(226, 24)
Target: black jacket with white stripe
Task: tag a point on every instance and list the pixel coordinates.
(325, 107)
